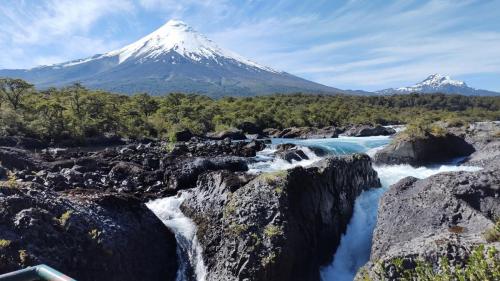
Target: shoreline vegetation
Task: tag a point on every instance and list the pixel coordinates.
(78, 113)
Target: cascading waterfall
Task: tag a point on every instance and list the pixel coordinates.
(189, 251)
(354, 249)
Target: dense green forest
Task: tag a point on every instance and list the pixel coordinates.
(77, 112)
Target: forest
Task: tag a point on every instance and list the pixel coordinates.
(77, 112)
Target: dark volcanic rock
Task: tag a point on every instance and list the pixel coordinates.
(233, 134)
(249, 128)
(367, 131)
(21, 142)
(420, 151)
(308, 133)
(88, 236)
(271, 132)
(13, 158)
(184, 135)
(290, 152)
(184, 174)
(219, 148)
(443, 215)
(3, 173)
(278, 226)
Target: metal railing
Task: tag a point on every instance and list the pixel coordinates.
(36, 273)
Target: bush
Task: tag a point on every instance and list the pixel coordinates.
(493, 234)
(482, 264)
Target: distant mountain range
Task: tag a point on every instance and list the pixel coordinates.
(174, 58)
(437, 83)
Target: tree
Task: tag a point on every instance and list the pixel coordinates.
(12, 90)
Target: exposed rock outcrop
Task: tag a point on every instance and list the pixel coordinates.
(368, 130)
(218, 148)
(277, 226)
(443, 215)
(290, 152)
(421, 151)
(308, 133)
(145, 170)
(87, 235)
(232, 134)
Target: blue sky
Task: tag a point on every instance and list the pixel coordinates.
(351, 44)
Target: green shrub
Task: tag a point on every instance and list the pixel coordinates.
(482, 264)
(272, 177)
(4, 243)
(272, 230)
(493, 234)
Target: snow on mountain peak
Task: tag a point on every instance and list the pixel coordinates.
(179, 37)
(440, 80)
(434, 82)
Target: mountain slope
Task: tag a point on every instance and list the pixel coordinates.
(174, 58)
(437, 83)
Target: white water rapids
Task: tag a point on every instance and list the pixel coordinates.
(189, 252)
(354, 249)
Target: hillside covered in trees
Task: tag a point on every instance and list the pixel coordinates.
(77, 113)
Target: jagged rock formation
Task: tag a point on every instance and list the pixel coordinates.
(145, 170)
(87, 235)
(443, 215)
(277, 226)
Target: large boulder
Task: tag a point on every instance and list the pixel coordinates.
(278, 226)
(88, 236)
(290, 152)
(184, 174)
(445, 215)
(232, 134)
(368, 130)
(18, 159)
(421, 151)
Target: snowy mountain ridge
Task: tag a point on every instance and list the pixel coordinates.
(438, 83)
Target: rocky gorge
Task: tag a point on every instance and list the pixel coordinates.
(256, 210)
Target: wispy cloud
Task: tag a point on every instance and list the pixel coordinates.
(61, 24)
(361, 44)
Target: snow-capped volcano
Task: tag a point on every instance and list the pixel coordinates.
(438, 83)
(178, 37)
(174, 58)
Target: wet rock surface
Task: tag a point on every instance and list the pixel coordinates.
(87, 235)
(276, 226)
(443, 215)
(421, 151)
(290, 152)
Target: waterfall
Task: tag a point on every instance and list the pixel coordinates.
(189, 251)
(355, 245)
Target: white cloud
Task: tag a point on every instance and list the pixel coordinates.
(61, 23)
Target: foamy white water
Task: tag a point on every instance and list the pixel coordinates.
(355, 244)
(189, 251)
(267, 162)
